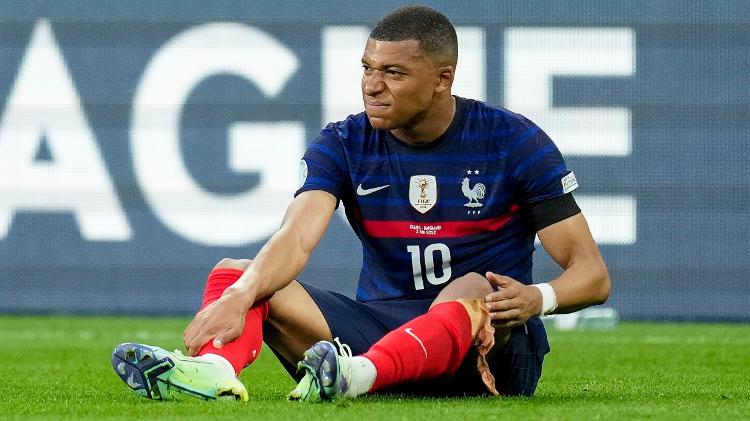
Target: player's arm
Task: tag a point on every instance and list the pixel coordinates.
(281, 259)
(584, 281)
(284, 256)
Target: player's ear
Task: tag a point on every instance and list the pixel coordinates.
(445, 78)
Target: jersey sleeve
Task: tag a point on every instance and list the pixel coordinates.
(537, 168)
(541, 180)
(324, 165)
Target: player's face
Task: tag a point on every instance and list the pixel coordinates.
(398, 84)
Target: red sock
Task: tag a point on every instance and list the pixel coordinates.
(246, 348)
(429, 346)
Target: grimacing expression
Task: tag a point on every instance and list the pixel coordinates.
(398, 83)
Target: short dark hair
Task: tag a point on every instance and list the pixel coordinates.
(435, 33)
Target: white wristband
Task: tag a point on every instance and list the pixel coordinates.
(549, 298)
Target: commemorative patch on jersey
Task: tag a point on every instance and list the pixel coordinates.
(423, 192)
(302, 173)
(569, 183)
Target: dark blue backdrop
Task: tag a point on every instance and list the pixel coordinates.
(685, 174)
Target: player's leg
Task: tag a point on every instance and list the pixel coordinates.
(212, 373)
(156, 373)
(290, 321)
(511, 367)
(294, 324)
(244, 349)
(442, 335)
(431, 345)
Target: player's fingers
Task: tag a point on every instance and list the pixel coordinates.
(192, 347)
(504, 294)
(190, 341)
(498, 280)
(505, 315)
(195, 340)
(502, 305)
(194, 328)
(224, 338)
(218, 343)
(188, 333)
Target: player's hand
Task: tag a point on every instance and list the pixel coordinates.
(514, 303)
(221, 321)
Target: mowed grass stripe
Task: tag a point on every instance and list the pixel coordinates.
(58, 367)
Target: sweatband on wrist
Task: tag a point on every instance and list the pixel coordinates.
(549, 298)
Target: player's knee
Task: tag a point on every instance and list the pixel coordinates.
(478, 285)
(228, 263)
(281, 305)
(470, 286)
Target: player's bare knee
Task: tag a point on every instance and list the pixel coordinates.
(471, 285)
(294, 322)
(478, 284)
(229, 263)
(283, 308)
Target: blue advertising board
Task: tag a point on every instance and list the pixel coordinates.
(141, 143)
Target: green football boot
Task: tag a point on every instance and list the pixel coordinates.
(158, 374)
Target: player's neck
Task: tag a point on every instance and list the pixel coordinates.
(431, 126)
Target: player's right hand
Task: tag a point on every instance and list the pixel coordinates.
(221, 321)
(514, 303)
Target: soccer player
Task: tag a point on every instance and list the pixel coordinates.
(446, 195)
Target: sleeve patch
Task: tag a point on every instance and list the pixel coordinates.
(569, 183)
(302, 173)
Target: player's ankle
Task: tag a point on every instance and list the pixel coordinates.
(363, 376)
(220, 362)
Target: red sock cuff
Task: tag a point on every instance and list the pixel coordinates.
(219, 280)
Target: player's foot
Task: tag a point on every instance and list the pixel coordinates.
(155, 373)
(330, 375)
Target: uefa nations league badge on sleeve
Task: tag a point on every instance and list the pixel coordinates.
(569, 183)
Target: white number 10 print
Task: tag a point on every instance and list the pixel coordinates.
(429, 264)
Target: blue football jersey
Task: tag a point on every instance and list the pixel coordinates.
(429, 214)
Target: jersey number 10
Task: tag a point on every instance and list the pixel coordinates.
(429, 264)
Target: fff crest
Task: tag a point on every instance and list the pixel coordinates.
(423, 192)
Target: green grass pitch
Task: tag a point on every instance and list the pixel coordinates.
(58, 368)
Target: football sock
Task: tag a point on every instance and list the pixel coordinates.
(242, 351)
(220, 361)
(429, 346)
(364, 376)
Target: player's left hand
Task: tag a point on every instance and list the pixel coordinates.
(514, 303)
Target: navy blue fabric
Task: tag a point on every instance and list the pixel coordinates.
(489, 168)
(359, 324)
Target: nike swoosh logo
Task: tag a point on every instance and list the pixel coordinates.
(410, 332)
(365, 192)
(132, 383)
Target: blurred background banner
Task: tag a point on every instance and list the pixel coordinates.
(140, 143)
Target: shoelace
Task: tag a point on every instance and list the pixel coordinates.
(344, 349)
